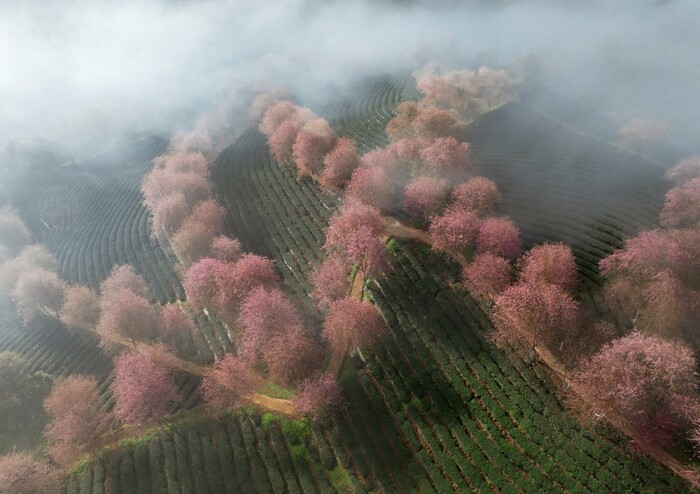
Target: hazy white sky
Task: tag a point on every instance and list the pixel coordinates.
(69, 68)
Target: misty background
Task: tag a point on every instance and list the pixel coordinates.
(78, 76)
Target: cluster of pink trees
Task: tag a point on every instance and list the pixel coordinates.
(652, 283)
(465, 227)
(23, 474)
(539, 310)
(297, 134)
(469, 93)
(648, 384)
(179, 195)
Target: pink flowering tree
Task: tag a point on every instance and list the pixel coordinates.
(424, 197)
(126, 316)
(434, 123)
(406, 153)
(282, 140)
(14, 234)
(550, 264)
(198, 230)
(81, 308)
(228, 384)
(487, 276)
(682, 206)
(532, 315)
(367, 253)
(372, 186)
(400, 126)
(76, 419)
(319, 396)
(348, 218)
(226, 249)
(22, 474)
(234, 281)
(181, 161)
(446, 155)
(339, 164)
(454, 231)
(636, 379)
(313, 142)
(123, 277)
(499, 236)
(143, 391)
(276, 115)
(200, 282)
(641, 134)
(330, 281)
(352, 324)
(161, 183)
(169, 213)
(685, 171)
(30, 258)
(38, 291)
(478, 195)
(265, 314)
(176, 329)
(291, 355)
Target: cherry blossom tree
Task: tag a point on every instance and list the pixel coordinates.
(76, 418)
(424, 197)
(493, 86)
(347, 220)
(234, 281)
(478, 195)
(550, 264)
(199, 229)
(487, 276)
(161, 183)
(38, 291)
(126, 316)
(682, 206)
(14, 234)
(31, 257)
(276, 115)
(282, 140)
(200, 282)
(313, 142)
(169, 213)
(339, 164)
(401, 125)
(319, 396)
(291, 355)
(454, 231)
(22, 474)
(406, 153)
(175, 329)
(352, 324)
(123, 277)
(641, 134)
(433, 123)
(636, 378)
(143, 391)
(183, 162)
(499, 236)
(330, 281)
(447, 155)
(532, 314)
(81, 308)
(372, 186)
(367, 253)
(228, 383)
(685, 171)
(226, 249)
(265, 313)
(385, 158)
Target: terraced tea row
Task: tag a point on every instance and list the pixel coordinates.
(93, 218)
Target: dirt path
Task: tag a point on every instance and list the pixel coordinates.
(170, 361)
